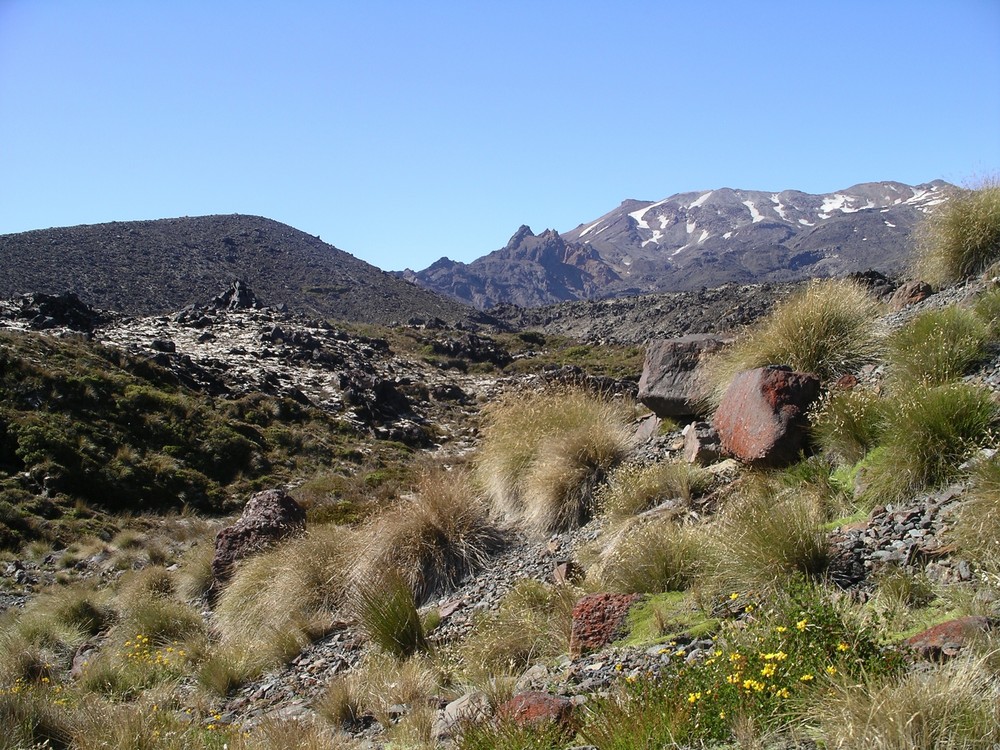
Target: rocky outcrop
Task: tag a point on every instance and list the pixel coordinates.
(671, 383)
(41, 312)
(268, 518)
(762, 416)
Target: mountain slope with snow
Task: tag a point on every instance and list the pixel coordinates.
(696, 239)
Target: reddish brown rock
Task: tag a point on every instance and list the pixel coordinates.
(598, 619)
(670, 384)
(762, 417)
(910, 293)
(267, 518)
(536, 707)
(949, 638)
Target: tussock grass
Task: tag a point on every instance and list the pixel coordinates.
(849, 424)
(936, 347)
(930, 431)
(386, 609)
(961, 238)
(633, 488)
(277, 602)
(30, 719)
(952, 707)
(652, 557)
(765, 535)
(977, 532)
(432, 539)
(543, 455)
(826, 329)
(532, 622)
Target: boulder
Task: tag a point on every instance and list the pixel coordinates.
(598, 619)
(762, 417)
(535, 707)
(701, 444)
(238, 296)
(471, 707)
(910, 293)
(671, 383)
(268, 517)
(949, 638)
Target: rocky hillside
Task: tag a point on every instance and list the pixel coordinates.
(153, 267)
(694, 240)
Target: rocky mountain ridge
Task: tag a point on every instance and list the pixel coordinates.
(698, 239)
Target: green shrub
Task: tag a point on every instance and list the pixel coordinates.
(936, 347)
(826, 329)
(930, 431)
(961, 238)
(544, 454)
(749, 683)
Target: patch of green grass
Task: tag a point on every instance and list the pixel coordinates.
(848, 424)
(961, 238)
(664, 617)
(386, 609)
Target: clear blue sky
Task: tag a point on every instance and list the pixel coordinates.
(404, 131)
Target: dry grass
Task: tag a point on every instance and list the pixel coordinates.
(543, 455)
(978, 529)
(848, 424)
(962, 238)
(826, 329)
(532, 622)
(277, 602)
(651, 557)
(951, 707)
(765, 535)
(633, 488)
(433, 538)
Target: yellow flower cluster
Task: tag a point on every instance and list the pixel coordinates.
(139, 650)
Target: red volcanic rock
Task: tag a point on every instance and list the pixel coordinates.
(762, 417)
(268, 517)
(536, 707)
(598, 619)
(947, 639)
(910, 293)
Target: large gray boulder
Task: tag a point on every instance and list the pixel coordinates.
(671, 383)
(762, 417)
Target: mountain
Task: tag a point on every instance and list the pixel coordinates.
(155, 267)
(699, 239)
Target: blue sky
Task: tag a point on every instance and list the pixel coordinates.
(404, 131)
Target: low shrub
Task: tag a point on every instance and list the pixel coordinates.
(961, 238)
(826, 329)
(543, 454)
(936, 346)
(747, 685)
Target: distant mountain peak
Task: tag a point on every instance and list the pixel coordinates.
(700, 238)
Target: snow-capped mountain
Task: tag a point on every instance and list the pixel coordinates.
(690, 240)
